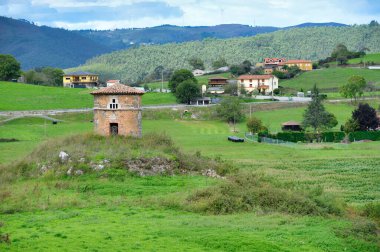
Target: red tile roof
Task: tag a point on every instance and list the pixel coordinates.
(113, 81)
(217, 78)
(118, 89)
(255, 77)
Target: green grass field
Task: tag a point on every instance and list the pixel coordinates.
(94, 213)
(371, 57)
(16, 96)
(330, 78)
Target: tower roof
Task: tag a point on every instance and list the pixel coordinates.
(118, 89)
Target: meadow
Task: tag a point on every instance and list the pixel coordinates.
(371, 57)
(16, 96)
(117, 211)
(330, 79)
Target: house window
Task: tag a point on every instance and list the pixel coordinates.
(250, 80)
(83, 78)
(114, 104)
(68, 78)
(250, 85)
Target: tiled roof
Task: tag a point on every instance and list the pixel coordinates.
(255, 77)
(118, 89)
(80, 73)
(113, 81)
(217, 78)
(290, 123)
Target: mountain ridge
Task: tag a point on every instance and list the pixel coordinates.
(38, 46)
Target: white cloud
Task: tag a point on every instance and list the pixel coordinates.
(194, 12)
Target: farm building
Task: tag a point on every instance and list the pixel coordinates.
(216, 85)
(291, 126)
(117, 111)
(80, 79)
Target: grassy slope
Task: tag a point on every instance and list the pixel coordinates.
(330, 78)
(16, 96)
(373, 57)
(111, 215)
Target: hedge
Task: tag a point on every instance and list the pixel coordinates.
(330, 136)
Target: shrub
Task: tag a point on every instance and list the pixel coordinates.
(372, 210)
(247, 191)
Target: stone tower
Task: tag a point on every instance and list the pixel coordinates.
(117, 110)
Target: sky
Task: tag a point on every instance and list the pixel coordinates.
(112, 14)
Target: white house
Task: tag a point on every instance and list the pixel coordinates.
(198, 72)
(111, 82)
(265, 83)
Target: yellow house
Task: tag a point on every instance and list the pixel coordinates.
(80, 79)
(304, 65)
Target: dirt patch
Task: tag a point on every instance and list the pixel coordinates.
(152, 166)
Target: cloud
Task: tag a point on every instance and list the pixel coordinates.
(110, 14)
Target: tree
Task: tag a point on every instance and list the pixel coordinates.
(197, 63)
(9, 67)
(316, 116)
(350, 126)
(254, 125)
(366, 117)
(237, 70)
(230, 110)
(246, 66)
(53, 75)
(231, 89)
(180, 76)
(187, 91)
(221, 62)
(373, 23)
(354, 87)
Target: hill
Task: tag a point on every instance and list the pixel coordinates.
(369, 58)
(306, 43)
(125, 38)
(37, 46)
(330, 79)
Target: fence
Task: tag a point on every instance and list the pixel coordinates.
(255, 138)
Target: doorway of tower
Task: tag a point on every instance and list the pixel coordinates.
(114, 129)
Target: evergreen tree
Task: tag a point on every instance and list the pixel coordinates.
(316, 116)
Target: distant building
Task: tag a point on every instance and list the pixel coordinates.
(264, 84)
(216, 85)
(271, 64)
(374, 67)
(80, 79)
(117, 111)
(198, 72)
(304, 65)
(291, 126)
(111, 82)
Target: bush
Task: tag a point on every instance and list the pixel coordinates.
(365, 135)
(372, 210)
(247, 191)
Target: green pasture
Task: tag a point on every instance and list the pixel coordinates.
(373, 57)
(330, 78)
(16, 96)
(130, 213)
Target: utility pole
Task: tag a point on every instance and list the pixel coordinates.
(162, 80)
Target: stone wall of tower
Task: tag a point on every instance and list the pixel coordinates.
(127, 115)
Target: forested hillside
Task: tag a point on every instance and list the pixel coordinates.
(125, 38)
(37, 46)
(299, 43)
